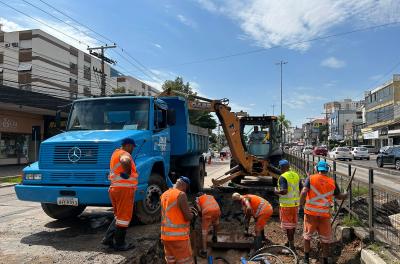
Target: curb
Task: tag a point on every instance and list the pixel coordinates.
(370, 257)
(5, 185)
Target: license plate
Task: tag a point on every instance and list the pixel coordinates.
(67, 201)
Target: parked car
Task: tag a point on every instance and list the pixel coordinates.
(371, 149)
(360, 153)
(391, 156)
(320, 151)
(308, 150)
(340, 153)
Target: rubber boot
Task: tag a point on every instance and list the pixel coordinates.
(292, 247)
(306, 258)
(108, 239)
(325, 261)
(120, 244)
(263, 235)
(258, 242)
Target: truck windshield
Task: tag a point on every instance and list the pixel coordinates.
(110, 114)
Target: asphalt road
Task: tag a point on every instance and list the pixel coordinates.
(388, 178)
(28, 235)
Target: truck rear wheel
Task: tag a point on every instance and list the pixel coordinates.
(148, 210)
(62, 212)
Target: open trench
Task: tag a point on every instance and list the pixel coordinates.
(232, 229)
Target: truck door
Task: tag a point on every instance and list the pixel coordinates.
(161, 137)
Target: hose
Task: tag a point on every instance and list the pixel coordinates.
(258, 252)
(262, 256)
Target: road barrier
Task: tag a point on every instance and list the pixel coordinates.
(373, 207)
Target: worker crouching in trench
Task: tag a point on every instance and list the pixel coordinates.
(258, 208)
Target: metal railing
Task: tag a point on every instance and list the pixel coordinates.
(369, 205)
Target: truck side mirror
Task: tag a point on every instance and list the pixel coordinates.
(171, 117)
(58, 119)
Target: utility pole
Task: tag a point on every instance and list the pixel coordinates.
(103, 59)
(273, 109)
(310, 128)
(281, 63)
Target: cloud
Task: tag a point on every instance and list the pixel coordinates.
(333, 63)
(237, 107)
(186, 21)
(157, 45)
(272, 23)
(78, 38)
(301, 100)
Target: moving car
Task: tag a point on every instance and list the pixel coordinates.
(391, 156)
(320, 151)
(360, 153)
(308, 150)
(371, 149)
(340, 153)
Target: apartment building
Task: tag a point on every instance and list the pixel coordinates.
(382, 107)
(341, 123)
(313, 131)
(129, 84)
(346, 104)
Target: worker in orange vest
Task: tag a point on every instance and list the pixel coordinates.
(260, 209)
(123, 178)
(210, 214)
(175, 223)
(317, 198)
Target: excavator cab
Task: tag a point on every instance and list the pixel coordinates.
(260, 136)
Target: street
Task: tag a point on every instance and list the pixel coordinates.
(28, 235)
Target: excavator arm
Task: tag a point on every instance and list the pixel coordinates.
(248, 164)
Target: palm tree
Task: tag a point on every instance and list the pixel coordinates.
(284, 124)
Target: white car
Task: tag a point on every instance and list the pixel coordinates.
(360, 153)
(308, 150)
(341, 153)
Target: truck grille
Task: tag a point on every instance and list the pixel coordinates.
(76, 177)
(78, 154)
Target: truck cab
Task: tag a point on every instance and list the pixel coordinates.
(73, 167)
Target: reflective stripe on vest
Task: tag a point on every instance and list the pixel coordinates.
(292, 198)
(260, 208)
(319, 197)
(318, 210)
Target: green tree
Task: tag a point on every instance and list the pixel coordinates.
(119, 90)
(199, 118)
(282, 121)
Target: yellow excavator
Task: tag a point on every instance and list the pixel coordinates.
(257, 156)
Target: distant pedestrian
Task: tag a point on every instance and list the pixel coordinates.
(258, 208)
(289, 186)
(175, 223)
(210, 215)
(123, 178)
(317, 198)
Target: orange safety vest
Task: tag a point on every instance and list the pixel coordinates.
(116, 168)
(258, 204)
(319, 197)
(174, 226)
(207, 203)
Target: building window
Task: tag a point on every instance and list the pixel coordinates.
(1, 58)
(73, 68)
(24, 77)
(1, 38)
(143, 86)
(25, 55)
(13, 145)
(86, 72)
(86, 91)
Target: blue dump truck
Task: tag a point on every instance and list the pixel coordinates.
(73, 167)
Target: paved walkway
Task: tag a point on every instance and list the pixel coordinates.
(11, 170)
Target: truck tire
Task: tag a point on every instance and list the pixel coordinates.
(62, 212)
(148, 211)
(196, 175)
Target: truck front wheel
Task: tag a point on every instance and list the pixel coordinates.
(196, 175)
(62, 212)
(148, 210)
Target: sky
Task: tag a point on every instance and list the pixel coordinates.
(334, 49)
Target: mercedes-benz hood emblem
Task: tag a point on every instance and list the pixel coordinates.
(74, 154)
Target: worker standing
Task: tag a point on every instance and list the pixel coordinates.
(123, 178)
(210, 215)
(258, 208)
(289, 186)
(316, 197)
(175, 223)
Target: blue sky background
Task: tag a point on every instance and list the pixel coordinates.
(176, 38)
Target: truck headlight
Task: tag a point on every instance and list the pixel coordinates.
(31, 176)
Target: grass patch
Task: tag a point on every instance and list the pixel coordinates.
(16, 179)
(351, 221)
(359, 191)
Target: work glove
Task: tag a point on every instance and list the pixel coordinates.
(124, 175)
(194, 211)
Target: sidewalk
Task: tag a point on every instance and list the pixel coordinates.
(11, 170)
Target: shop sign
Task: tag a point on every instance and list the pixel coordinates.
(383, 131)
(7, 123)
(371, 135)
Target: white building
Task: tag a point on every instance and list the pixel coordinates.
(346, 104)
(135, 86)
(36, 61)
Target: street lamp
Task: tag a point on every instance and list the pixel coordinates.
(281, 63)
